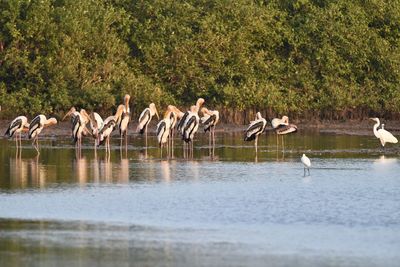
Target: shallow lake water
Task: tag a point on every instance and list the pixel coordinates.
(225, 206)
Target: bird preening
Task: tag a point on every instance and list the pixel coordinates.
(255, 128)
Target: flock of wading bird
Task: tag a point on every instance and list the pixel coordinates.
(186, 124)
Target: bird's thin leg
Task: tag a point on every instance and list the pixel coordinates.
(213, 136)
(126, 141)
(209, 138)
(20, 139)
(95, 148)
(283, 145)
(34, 144)
(172, 144)
(161, 150)
(145, 135)
(255, 143)
(304, 172)
(16, 141)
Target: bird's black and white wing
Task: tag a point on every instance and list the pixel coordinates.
(144, 119)
(181, 122)
(285, 129)
(209, 121)
(35, 124)
(190, 126)
(255, 128)
(14, 125)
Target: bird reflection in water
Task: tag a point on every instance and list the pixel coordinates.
(106, 170)
(123, 175)
(81, 169)
(165, 170)
(18, 172)
(37, 172)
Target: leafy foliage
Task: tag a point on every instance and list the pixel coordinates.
(326, 57)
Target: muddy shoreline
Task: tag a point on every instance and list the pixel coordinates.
(355, 127)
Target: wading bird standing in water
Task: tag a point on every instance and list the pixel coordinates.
(163, 130)
(109, 125)
(145, 118)
(210, 119)
(191, 124)
(123, 122)
(36, 126)
(383, 135)
(16, 127)
(282, 127)
(96, 124)
(176, 115)
(255, 128)
(307, 164)
(79, 121)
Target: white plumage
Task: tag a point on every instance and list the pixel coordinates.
(307, 163)
(383, 135)
(125, 118)
(16, 126)
(255, 128)
(145, 118)
(163, 129)
(36, 127)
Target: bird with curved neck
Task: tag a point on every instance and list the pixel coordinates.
(36, 127)
(282, 127)
(16, 127)
(383, 135)
(255, 128)
(79, 121)
(145, 118)
(110, 124)
(210, 119)
(183, 120)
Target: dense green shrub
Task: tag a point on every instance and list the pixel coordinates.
(325, 57)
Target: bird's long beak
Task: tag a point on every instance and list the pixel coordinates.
(372, 119)
(66, 115)
(158, 117)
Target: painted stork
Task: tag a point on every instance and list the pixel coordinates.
(145, 118)
(16, 127)
(383, 135)
(109, 125)
(307, 164)
(124, 120)
(255, 128)
(73, 113)
(79, 121)
(183, 119)
(210, 119)
(163, 129)
(36, 126)
(282, 127)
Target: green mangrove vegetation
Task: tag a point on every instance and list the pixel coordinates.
(318, 58)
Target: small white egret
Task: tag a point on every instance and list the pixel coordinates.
(307, 164)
